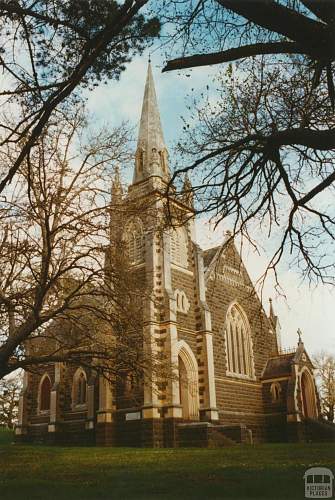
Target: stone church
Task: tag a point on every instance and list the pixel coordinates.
(230, 381)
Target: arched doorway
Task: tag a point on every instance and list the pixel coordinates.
(308, 395)
(188, 383)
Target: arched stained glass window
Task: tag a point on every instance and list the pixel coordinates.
(275, 391)
(81, 392)
(179, 247)
(134, 239)
(182, 302)
(45, 393)
(238, 344)
(79, 388)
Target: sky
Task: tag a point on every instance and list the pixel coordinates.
(310, 309)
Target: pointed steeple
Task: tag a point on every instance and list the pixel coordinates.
(151, 154)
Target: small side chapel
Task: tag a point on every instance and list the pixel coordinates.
(231, 382)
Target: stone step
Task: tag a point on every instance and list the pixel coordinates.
(207, 435)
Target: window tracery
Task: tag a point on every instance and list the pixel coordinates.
(275, 391)
(79, 391)
(179, 254)
(238, 344)
(182, 302)
(134, 240)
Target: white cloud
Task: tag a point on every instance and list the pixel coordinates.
(122, 100)
(311, 310)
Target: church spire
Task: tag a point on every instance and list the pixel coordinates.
(151, 153)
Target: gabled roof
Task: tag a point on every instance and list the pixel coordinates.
(209, 255)
(278, 366)
(300, 352)
(216, 257)
(281, 365)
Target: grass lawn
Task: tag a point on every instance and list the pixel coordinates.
(271, 471)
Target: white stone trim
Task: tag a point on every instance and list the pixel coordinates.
(230, 281)
(191, 365)
(240, 376)
(182, 302)
(75, 405)
(312, 385)
(275, 391)
(279, 379)
(175, 267)
(241, 354)
(252, 382)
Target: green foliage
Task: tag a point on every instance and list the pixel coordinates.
(69, 30)
(261, 471)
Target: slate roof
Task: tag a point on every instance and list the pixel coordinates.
(209, 255)
(278, 366)
(150, 135)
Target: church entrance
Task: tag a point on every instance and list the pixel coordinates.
(188, 387)
(308, 396)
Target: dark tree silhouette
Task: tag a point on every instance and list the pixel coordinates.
(265, 151)
(51, 48)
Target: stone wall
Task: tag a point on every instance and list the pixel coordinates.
(239, 400)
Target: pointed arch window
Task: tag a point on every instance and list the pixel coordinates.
(44, 395)
(79, 389)
(275, 391)
(179, 247)
(182, 302)
(134, 240)
(238, 344)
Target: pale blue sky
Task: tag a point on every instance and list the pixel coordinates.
(312, 310)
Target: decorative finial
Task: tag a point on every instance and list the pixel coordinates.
(116, 179)
(299, 332)
(187, 182)
(188, 194)
(116, 183)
